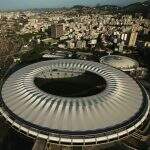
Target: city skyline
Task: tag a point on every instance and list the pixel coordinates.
(22, 4)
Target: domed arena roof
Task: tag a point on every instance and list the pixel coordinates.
(120, 62)
(73, 102)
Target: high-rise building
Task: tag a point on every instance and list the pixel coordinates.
(132, 38)
(81, 44)
(57, 30)
(121, 46)
(70, 44)
(124, 36)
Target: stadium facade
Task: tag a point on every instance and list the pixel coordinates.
(115, 108)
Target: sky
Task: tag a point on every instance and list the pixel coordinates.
(23, 4)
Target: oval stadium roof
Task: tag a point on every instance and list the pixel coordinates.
(116, 111)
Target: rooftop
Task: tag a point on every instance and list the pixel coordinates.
(112, 107)
(120, 62)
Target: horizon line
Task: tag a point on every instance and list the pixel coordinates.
(63, 7)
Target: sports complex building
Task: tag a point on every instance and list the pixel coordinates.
(74, 102)
(120, 62)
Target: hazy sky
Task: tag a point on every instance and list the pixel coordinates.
(8, 4)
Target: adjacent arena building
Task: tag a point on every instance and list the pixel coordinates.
(120, 62)
(74, 102)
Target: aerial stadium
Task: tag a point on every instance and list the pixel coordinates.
(120, 62)
(74, 102)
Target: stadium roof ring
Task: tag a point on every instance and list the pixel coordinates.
(117, 108)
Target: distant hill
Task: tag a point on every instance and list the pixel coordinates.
(79, 7)
(108, 7)
(139, 7)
